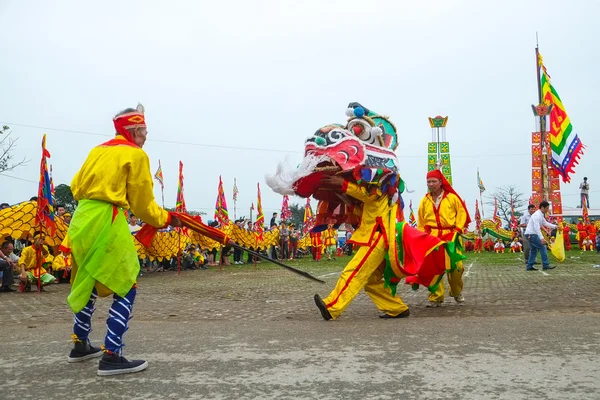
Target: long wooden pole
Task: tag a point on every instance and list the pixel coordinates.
(544, 170)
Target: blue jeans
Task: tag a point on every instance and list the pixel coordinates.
(585, 198)
(536, 245)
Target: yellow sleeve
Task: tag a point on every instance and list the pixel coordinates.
(140, 195)
(421, 215)
(358, 192)
(58, 263)
(27, 257)
(461, 213)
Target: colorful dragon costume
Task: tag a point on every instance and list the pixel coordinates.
(362, 153)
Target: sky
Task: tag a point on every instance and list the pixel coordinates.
(231, 88)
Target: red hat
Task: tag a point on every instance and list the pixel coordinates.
(134, 119)
(437, 174)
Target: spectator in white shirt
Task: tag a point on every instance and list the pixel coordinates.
(533, 233)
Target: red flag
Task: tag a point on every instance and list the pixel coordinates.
(45, 204)
(180, 203)
(286, 213)
(221, 213)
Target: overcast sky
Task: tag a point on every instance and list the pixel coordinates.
(233, 87)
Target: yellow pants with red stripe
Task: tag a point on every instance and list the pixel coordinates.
(365, 270)
(454, 280)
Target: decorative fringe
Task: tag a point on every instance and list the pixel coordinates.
(282, 181)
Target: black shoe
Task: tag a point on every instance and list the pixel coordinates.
(114, 364)
(322, 307)
(403, 314)
(83, 351)
(531, 269)
(549, 267)
(7, 289)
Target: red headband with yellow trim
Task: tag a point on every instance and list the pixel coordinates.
(134, 119)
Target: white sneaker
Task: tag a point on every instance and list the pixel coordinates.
(459, 298)
(434, 304)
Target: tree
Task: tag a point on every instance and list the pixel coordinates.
(297, 215)
(63, 195)
(7, 146)
(504, 195)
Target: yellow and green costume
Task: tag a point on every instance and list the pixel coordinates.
(29, 259)
(115, 177)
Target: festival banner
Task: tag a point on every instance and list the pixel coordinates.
(45, 203)
(286, 213)
(411, 217)
(159, 176)
(564, 141)
(309, 219)
(180, 203)
(221, 213)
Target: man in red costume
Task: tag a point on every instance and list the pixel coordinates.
(567, 236)
(443, 213)
(592, 231)
(581, 232)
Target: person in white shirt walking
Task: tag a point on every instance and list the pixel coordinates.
(534, 236)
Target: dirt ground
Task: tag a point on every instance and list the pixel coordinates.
(256, 333)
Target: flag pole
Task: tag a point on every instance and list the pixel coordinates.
(544, 169)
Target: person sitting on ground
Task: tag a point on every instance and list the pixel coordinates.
(469, 246)
(488, 245)
(61, 267)
(31, 264)
(8, 264)
(499, 246)
(198, 257)
(516, 246)
(587, 244)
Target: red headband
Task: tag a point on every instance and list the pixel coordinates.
(437, 174)
(128, 121)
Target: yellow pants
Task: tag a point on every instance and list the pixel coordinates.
(365, 270)
(454, 280)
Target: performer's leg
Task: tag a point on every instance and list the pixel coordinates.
(117, 322)
(355, 276)
(455, 281)
(382, 297)
(112, 362)
(438, 296)
(82, 327)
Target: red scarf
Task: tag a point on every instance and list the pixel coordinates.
(437, 174)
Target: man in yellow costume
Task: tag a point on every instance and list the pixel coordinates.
(31, 263)
(115, 177)
(330, 239)
(443, 213)
(365, 270)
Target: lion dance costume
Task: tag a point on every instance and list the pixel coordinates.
(362, 153)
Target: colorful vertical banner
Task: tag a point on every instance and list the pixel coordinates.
(412, 221)
(180, 203)
(260, 217)
(309, 219)
(221, 213)
(286, 213)
(45, 203)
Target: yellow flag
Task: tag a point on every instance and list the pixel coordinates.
(558, 248)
